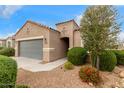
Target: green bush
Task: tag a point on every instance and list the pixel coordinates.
(68, 65)
(1, 48)
(22, 86)
(108, 60)
(7, 51)
(120, 56)
(77, 55)
(89, 74)
(8, 72)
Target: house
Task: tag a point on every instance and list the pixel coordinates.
(10, 42)
(120, 46)
(2, 42)
(38, 41)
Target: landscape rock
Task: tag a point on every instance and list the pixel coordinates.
(121, 74)
(122, 83)
(117, 70)
(117, 85)
(91, 84)
(68, 79)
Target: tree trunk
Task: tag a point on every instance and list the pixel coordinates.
(97, 63)
(89, 60)
(93, 60)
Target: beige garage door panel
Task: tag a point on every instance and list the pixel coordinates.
(32, 49)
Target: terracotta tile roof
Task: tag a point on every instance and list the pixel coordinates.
(7, 37)
(2, 39)
(47, 27)
(72, 20)
(13, 37)
(77, 29)
(41, 25)
(64, 22)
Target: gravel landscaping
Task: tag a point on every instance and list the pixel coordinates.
(60, 78)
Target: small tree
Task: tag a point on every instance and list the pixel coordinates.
(99, 29)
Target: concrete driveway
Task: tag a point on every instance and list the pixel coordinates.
(36, 65)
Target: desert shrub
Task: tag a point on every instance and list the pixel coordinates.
(89, 74)
(77, 55)
(68, 65)
(22, 86)
(120, 56)
(7, 51)
(8, 72)
(1, 48)
(107, 62)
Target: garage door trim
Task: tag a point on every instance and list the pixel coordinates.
(30, 38)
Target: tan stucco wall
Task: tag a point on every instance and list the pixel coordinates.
(53, 45)
(69, 27)
(2, 43)
(77, 39)
(31, 30)
(121, 46)
(58, 46)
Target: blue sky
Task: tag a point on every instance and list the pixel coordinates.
(13, 17)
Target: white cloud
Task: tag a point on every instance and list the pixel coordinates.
(4, 36)
(121, 36)
(17, 30)
(7, 10)
(78, 18)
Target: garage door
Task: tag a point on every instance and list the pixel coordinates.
(31, 49)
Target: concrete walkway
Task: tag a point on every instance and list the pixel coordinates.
(34, 65)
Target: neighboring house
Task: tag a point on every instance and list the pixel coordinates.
(10, 42)
(121, 46)
(2, 42)
(37, 41)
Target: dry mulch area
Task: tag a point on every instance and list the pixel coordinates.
(60, 78)
(112, 79)
(57, 78)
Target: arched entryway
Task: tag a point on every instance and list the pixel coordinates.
(65, 41)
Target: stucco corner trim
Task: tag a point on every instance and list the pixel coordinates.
(82, 43)
(30, 38)
(48, 49)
